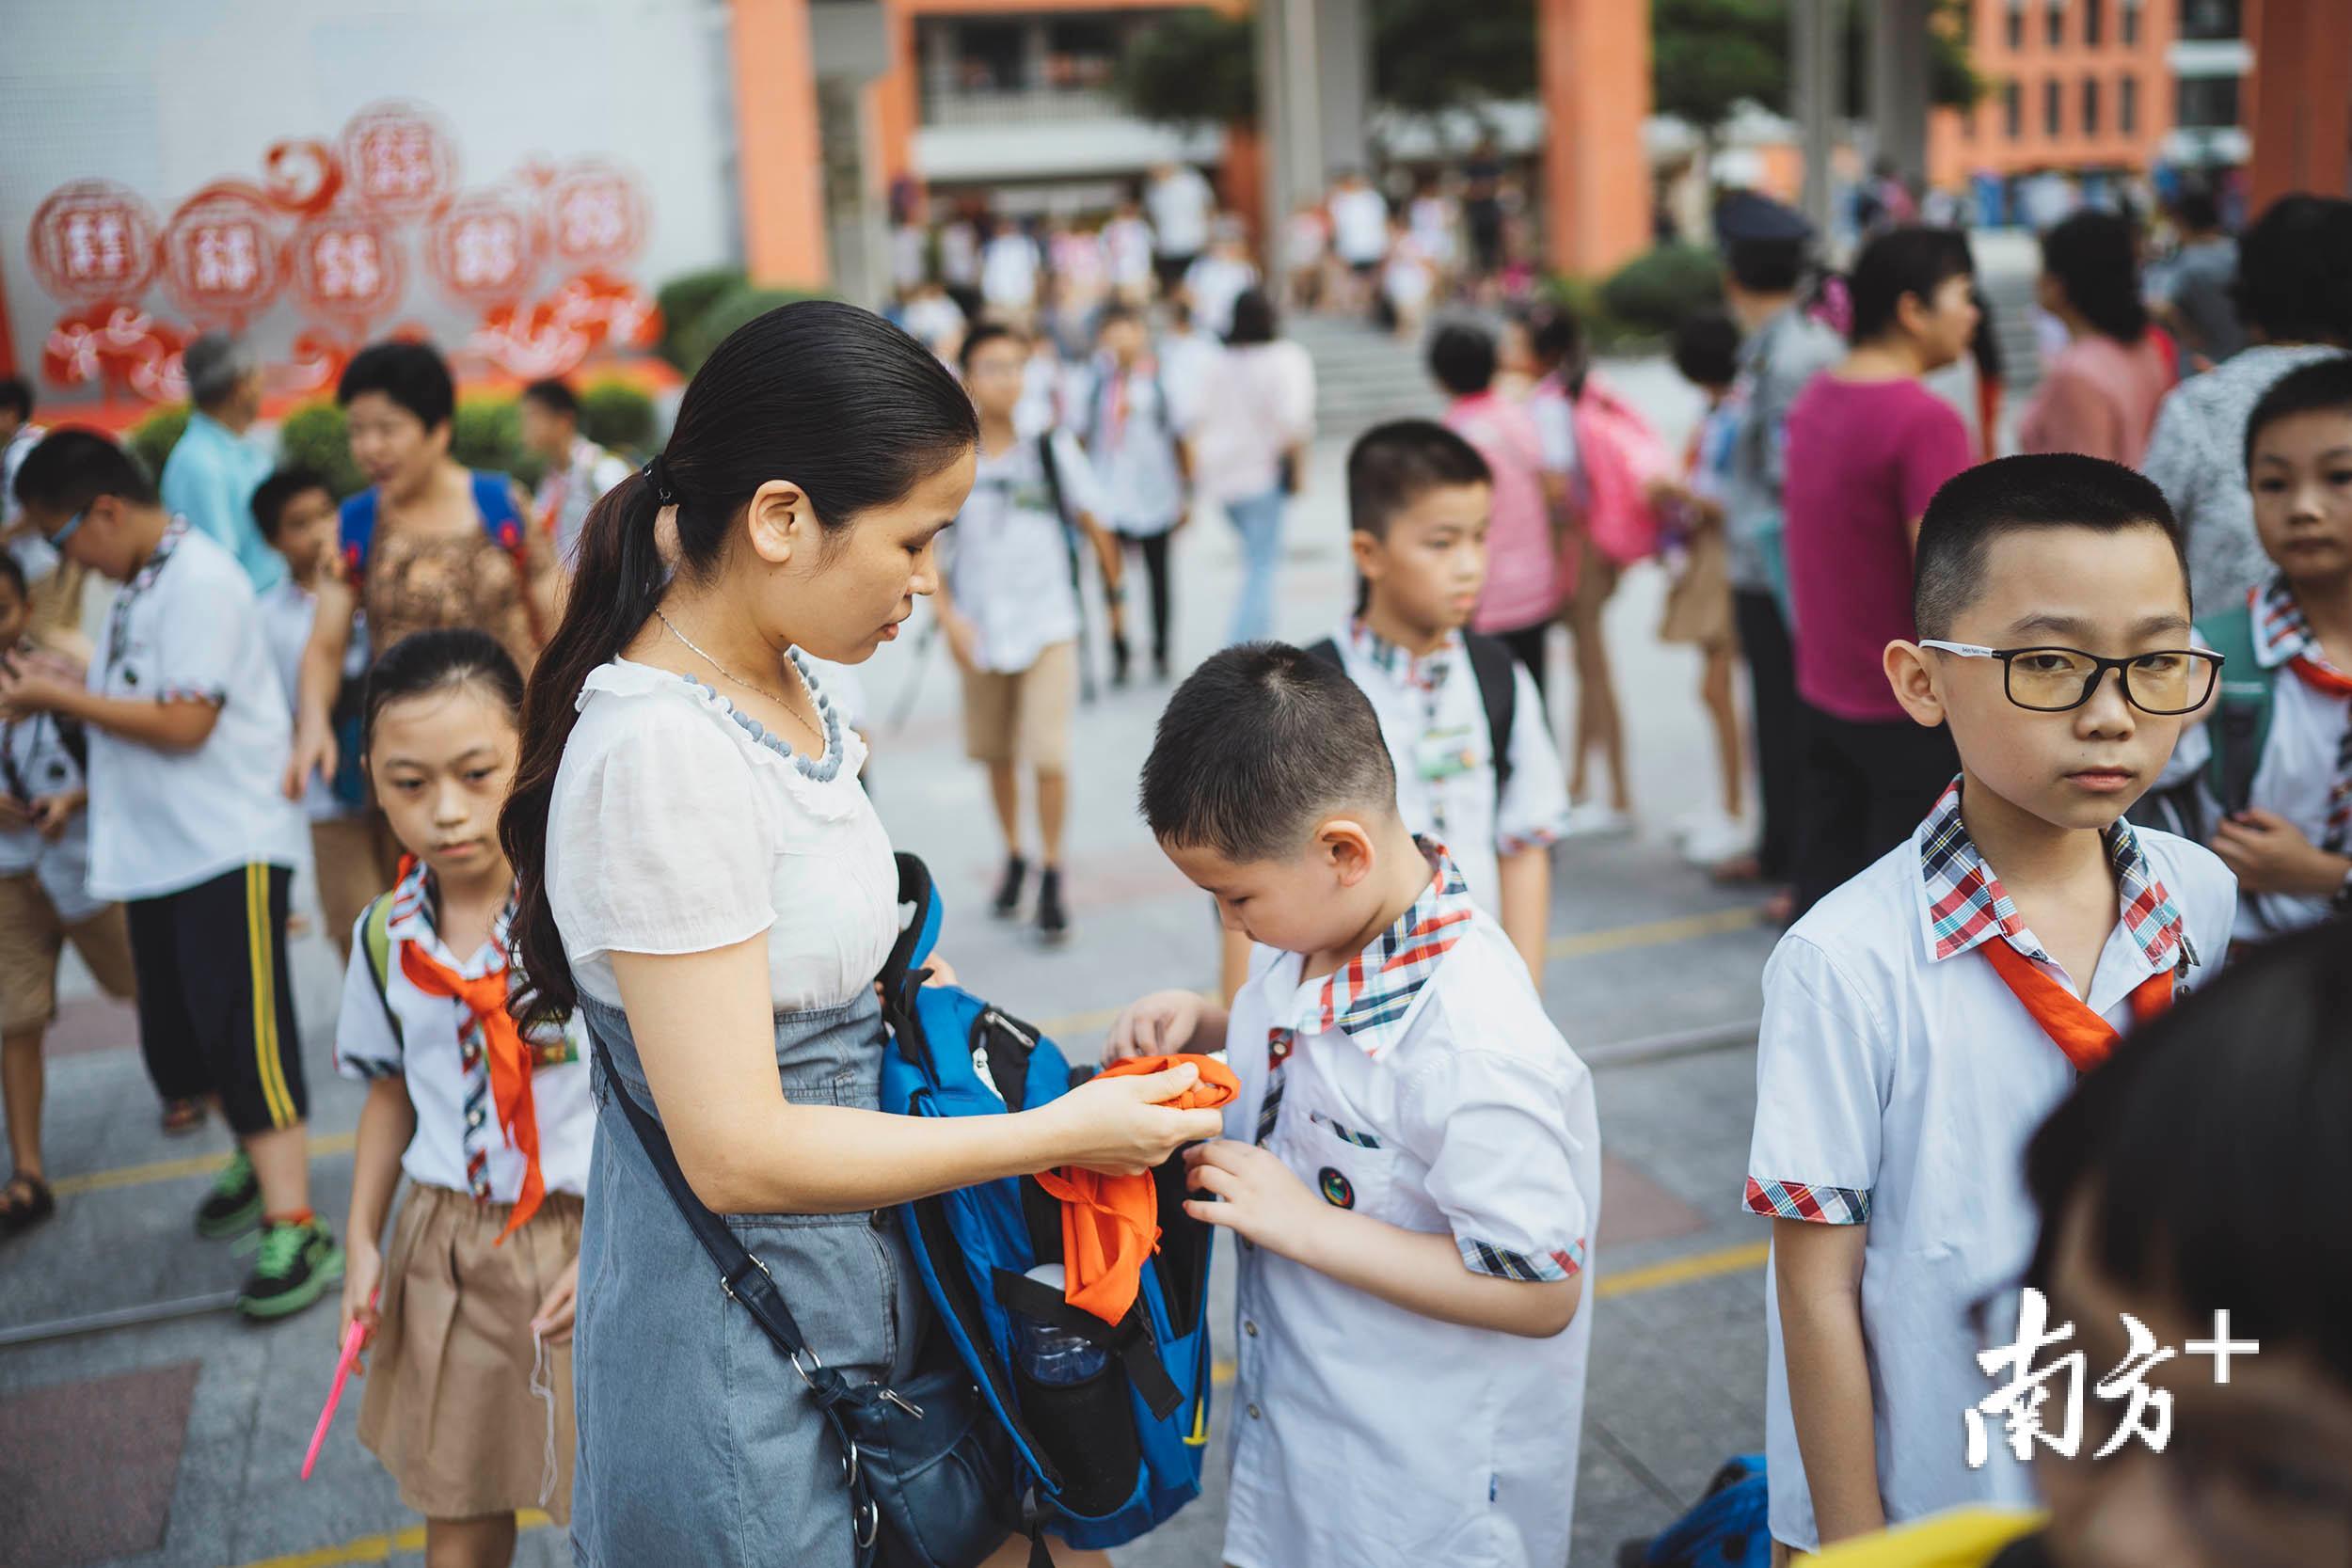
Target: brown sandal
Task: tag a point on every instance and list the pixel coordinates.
(25, 1202)
(182, 1115)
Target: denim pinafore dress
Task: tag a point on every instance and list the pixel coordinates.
(698, 1444)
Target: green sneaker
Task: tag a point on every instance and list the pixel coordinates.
(234, 1202)
(296, 1265)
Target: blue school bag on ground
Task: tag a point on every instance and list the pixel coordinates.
(1727, 1528)
(1105, 1459)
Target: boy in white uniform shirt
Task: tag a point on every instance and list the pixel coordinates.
(1009, 606)
(1134, 432)
(2287, 827)
(190, 734)
(1922, 1020)
(1418, 499)
(1412, 1164)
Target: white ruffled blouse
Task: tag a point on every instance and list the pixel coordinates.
(675, 828)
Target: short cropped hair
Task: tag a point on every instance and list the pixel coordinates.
(2221, 1191)
(1462, 357)
(271, 496)
(73, 466)
(2018, 495)
(414, 376)
(16, 395)
(554, 395)
(1915, 261)
(2321, 385)
(1260, 744)
(982, 334)
(215, 364)
(2295, 271)
(1707, 349)
(1393, 466)
(1115, 313)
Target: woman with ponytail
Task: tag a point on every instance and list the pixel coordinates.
(701, 876)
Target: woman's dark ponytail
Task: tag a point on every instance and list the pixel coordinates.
(836, 400)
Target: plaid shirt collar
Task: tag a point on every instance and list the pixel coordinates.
(1426, 672)
(2280, 632)
(416, 903)
(1371, 996)
(1967, 906)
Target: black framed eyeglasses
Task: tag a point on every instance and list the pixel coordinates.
(2166, 682)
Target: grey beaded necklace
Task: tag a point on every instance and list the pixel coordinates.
(822, 770)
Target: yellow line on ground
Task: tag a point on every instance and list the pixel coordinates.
(379, 1548)
(1678, 1270)
(173, 1170)
(1581, 945)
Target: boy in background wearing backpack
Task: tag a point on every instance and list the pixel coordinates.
(2270, 774)
(1413, 1162)
(1463, 719)
(1011, 609)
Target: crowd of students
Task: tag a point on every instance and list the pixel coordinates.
(577, 803)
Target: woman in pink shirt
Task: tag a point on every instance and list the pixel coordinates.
(1867, 446)
(2101, 393)
(1526, 578)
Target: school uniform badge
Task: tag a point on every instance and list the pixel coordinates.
(1335, 1188)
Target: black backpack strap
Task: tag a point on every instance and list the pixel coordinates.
(75, 739)
(1496, 670)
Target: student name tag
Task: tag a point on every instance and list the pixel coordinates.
(1446, 753)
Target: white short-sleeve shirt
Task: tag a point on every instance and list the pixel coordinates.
(2296, 775)
(1434, 719)
(1898, 1081)
(1008, 554)
(1130, 424)
(435, 1043)
(1368, 1437)
(288, 609)
(161, 822)
(674, 829)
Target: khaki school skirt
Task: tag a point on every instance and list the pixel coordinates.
(466, 1412)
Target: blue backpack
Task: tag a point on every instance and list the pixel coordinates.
(1102, 1460)
(1728, 1529)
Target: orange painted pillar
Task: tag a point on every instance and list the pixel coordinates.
(1594, 68)
(2297, 112)
(896, 100)
(776, 144)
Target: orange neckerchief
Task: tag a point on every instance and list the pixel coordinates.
(2086, 1038)
(1111, 1224)
(509, 1058)
(2323, 678)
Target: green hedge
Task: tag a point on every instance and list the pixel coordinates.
(617, 415)
(151, 439)
(737, 308)
(313, 437)
(684, 299)
(1657, 292)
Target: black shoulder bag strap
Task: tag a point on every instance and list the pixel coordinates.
(747, 1282)
(1496, 670)
(1051, 469)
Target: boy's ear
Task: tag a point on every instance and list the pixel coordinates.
(1912, 675)
(1345, 846)
(1370, 555)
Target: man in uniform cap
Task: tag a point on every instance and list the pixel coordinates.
(1764, 244)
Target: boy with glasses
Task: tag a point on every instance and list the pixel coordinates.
(1924, 1017)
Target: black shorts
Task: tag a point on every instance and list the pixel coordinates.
(215, 1004)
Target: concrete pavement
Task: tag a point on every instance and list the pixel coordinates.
(174, 1443)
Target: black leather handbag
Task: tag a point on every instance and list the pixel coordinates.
(929, 1473)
